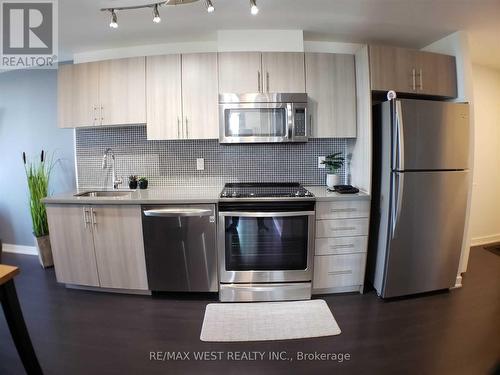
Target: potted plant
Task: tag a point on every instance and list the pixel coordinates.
(132, 182)
(143, 183)
(38, 175)
(333, 163)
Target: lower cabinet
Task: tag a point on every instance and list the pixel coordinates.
(340, 246)
(98, 245)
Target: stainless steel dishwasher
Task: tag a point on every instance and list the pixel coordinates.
(180, 248)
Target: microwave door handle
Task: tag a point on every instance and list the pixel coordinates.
(289, 120)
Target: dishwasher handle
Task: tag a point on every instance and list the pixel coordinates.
(175, 212)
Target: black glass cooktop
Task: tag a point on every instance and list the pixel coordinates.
(265, 190)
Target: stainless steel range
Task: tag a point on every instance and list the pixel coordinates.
(265, 242)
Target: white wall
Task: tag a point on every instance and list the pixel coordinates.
(485, 211)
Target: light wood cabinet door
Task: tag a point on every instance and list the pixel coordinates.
(240, 72)
(199, 96)
(331, 87)
(283, 72)
(119, 247)
(164, 97)
(78, 95)
(393, 68)
(437, 74)
(70, 231)
(122, 91)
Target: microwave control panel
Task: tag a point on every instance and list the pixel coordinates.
(300, 122)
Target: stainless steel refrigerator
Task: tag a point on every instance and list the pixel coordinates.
(420, 186)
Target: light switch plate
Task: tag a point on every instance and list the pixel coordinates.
(200, 164)
(320, 159)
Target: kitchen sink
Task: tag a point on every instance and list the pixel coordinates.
(98, 194)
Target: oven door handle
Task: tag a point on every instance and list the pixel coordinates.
(267, 214)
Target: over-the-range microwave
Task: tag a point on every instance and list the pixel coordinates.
(263, 118)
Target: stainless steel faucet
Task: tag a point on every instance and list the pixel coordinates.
(109, 153)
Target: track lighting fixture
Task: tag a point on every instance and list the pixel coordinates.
(114, 19)
(156, 14)
(254, 9)
(210, 6)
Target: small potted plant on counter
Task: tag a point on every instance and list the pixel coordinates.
(143, 183)
(333, 163)
(38, 175)
(132, 182)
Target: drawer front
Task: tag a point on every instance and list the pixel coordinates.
(342, 209)
(341, 245)
(332, 271)
(341, 228)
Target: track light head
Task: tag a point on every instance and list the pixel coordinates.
(210, 6)
(156, 14)
(114, 20)
(254, 9)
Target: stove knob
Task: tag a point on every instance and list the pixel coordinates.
(308, 194)
(299, 193)
(234, 195)
(224, 194)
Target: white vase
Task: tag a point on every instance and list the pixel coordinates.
(332, 180)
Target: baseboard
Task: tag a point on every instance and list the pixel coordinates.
(485, 240)
(19, 249)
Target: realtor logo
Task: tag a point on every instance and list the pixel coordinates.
(29, 34)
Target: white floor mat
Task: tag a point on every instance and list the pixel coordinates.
(261, 321)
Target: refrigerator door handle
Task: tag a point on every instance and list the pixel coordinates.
(401, 138)
(397, 191)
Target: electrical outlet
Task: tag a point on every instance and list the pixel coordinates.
(200, 164)
(321, 159)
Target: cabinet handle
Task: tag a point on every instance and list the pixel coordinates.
(85, 218)
(102, 114)
(94, 218)
(349, 246)
(343, 228)
(421, 80)
(414, 79)
(94, 114)
(267, 81)
(258, 81)
(310, 125)
(344, 272)
(343, 210)
(178, 127)
(187, 129)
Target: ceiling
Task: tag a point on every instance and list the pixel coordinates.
(412, 23)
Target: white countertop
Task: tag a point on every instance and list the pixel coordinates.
(322, 194)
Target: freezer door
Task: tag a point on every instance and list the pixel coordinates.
(425, 231)
(430, 135)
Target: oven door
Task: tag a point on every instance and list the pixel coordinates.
(255, 122)
(266, 245)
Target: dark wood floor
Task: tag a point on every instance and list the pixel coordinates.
(79, 332)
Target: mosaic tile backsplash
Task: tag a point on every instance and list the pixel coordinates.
(173, 163)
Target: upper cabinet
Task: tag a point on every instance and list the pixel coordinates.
(412, 71)
(331, 87)
(78, 95)
(182, 96)
(249, 72)
(122, 91)
(111, 92)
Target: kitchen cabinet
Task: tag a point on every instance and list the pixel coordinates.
(331, 87)
(72, 244)
(182, 100)
(122, 91)
(119, 247)
(78, 95)
(250, 72)
(199, 96)
(340, 245)
(164, 99)
(240, 72)
(98, 245)
(412, 71)
(283, 72)
(111, 92)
